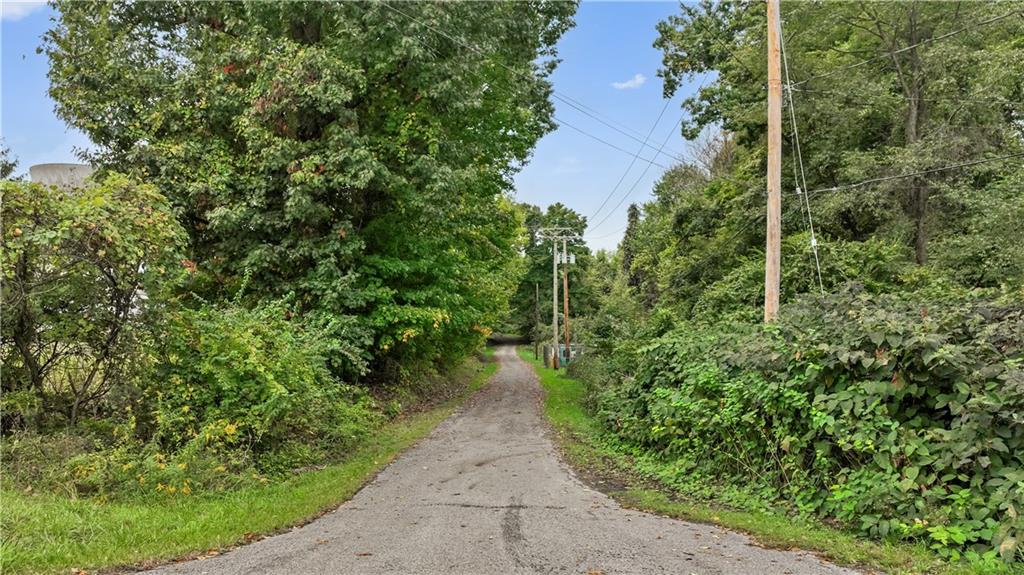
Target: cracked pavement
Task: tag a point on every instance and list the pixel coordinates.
(486, 492)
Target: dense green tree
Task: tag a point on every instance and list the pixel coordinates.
(352, 156)
(880, 89)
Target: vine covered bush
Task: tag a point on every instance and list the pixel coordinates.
(240, 376)
(903, 419)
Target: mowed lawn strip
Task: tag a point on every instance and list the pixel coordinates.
(53, 534)
(580, 442)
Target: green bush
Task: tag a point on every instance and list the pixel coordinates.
(77, 267)
(234, 396)
(876, 264)
(903, 419)
(232, 378)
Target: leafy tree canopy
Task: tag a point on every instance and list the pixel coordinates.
(353, 157)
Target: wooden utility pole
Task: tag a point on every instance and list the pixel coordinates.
(772, 255)
(565, 295)
(554, 298)
(536, 320)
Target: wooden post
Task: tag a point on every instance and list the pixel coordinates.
(565, 295)
(773, 245)
(536, 320)
(554, 299)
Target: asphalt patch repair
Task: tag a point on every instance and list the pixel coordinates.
(486, 492)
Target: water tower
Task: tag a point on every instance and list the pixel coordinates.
(60, 175)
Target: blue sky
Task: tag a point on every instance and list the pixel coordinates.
(608, 64)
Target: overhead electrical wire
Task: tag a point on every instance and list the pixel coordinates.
(608, 235)
(630, 167)
(910, 47)
(863, 183)
(801, 184)
(561, 122)
(858, 97)
(564, 98)
(643, 143)
(631, 163)
(638, 180)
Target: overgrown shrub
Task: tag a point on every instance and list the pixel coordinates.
(76, 266)
(876, 264)
(234, 396)
(902, 418)
(232, 378)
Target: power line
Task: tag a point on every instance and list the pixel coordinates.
(611, 124)
(800, 161)
(910, 47)
(956, 98)
(565, 98)
(637, 182)
(607, 143)
(631, 163)
(601, 237)
(913, 174)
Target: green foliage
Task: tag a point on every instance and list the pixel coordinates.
(876, 265)
(77, 267)
(880, 89)
(898, 417)
(343, 155)
(8, 163)
(530, 312)
(45, 533)
(237, 378)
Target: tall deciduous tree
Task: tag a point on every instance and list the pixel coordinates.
(880, 89)
(352, 156)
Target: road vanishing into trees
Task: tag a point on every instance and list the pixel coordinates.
(486, 492)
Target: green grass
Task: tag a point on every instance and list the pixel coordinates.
(52, 534)
(579, 435)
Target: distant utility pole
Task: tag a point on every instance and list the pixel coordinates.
(554, 300)
(555, 234)
(772, 257)
(536, 320)
(565, 291)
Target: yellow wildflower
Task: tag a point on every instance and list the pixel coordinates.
(230, 429)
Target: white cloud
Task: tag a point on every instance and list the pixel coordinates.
(631, 84)
(14, 11)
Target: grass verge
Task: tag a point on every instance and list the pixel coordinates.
(53, 534)
(610, 470)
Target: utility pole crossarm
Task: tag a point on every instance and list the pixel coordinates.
(555, 234)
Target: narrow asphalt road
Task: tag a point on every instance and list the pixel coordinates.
(486, 493)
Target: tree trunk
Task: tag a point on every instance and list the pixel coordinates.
(23, 335)
(913, 86)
